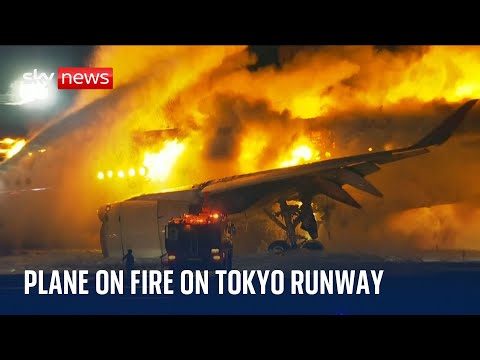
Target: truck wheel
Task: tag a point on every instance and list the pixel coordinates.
(278, 247)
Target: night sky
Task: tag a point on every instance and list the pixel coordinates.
(16, 60)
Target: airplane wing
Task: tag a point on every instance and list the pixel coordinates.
(237, 193)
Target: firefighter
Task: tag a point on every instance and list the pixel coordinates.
(231, 229)
(129, 261)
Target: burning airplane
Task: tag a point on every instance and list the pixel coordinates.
(126, 224)
(203, 114)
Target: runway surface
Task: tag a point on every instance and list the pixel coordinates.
(299, 260)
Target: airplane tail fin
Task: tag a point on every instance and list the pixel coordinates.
(442, 132)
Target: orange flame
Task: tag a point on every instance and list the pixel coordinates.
(263, 115)
(10, 147)
(302, 152)
(160, 164)
(235, 120)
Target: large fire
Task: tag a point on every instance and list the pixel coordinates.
(228, 119)
(160, 164)
(449, 72)
(300, 155)
(157, 165)
(253, 120)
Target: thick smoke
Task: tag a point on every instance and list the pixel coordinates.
(337, 100)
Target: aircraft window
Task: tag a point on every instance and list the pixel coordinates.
(28, 181)
(18, 182)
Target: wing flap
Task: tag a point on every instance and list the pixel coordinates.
(335, 191)
(365, 168)
(346, 176)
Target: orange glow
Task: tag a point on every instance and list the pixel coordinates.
(308, 106)
(438, 226)
(13, 146)
(160, 164)
(449, 72)
(7, 141)
(100, 175)
(146, 106)
(202, 218)
(312, 84)
(252, 145)
(234, 121)
(300, 154)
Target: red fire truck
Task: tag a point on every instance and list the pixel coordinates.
(203, 240)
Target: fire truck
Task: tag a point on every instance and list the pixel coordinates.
(201, 241)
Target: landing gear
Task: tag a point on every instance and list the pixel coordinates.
(288, 218)
(279, 247)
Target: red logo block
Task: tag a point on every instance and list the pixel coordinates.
(85, 78)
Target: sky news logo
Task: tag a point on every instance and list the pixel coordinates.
(72, 78)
